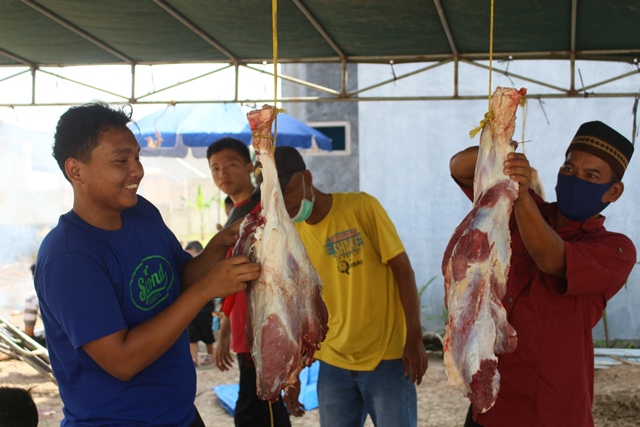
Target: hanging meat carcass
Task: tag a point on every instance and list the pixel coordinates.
(286, 316)
(476, 265)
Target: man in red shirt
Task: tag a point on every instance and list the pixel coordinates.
(564, 268)
(231, 168)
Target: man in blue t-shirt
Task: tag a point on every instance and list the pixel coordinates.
(116, 289)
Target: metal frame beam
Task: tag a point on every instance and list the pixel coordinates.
(618, 55)
(331, 42)
(446, 28)
(338, 95)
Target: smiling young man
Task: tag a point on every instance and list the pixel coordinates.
(564, 268)
(117, 290)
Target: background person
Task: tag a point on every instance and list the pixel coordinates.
(564, 268)
(201, 327)
(228, 206)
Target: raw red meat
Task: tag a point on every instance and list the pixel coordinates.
(476, 265)
(286, 316)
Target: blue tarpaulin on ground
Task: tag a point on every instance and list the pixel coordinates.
(228, 393)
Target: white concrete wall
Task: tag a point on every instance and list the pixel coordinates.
(405, 147)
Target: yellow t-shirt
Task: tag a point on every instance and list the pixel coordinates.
(350, 248)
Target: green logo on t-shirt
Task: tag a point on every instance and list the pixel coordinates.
(150, 282)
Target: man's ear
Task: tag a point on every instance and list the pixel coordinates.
(72, 169)
(614, 192)
(250, 167)
(308, 178)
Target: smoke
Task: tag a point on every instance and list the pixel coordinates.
(33, 195)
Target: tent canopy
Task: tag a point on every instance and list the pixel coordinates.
(63, 32)
(57, 33)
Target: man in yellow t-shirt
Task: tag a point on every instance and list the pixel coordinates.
(373, 352)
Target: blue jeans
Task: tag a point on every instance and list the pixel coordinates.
(346, 397)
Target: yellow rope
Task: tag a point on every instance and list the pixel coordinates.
(257, 133)
(490, 54)
(488, 117)
(274, 25)
(271, 413)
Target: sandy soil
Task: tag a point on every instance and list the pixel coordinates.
(617, 396)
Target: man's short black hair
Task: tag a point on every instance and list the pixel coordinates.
(79, 129)
(288, 161)
(17, 408)
(231, 144)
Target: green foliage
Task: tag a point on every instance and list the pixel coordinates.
(425, 286)
(626, 344)
(432, 341)
(444, 314)
(202, 206)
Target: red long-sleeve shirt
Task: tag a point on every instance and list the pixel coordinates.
(235, 307)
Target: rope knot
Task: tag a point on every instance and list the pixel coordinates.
(488, 118)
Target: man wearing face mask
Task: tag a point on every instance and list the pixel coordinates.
(564, 268)
(373, 354)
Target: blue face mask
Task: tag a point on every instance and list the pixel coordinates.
(578, 199)
(306, 206)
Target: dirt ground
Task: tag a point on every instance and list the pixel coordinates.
(617, 396)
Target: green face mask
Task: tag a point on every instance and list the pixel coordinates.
(306, 206)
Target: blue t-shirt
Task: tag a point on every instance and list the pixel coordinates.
(92, 283)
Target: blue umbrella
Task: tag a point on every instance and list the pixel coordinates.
(170, 131)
